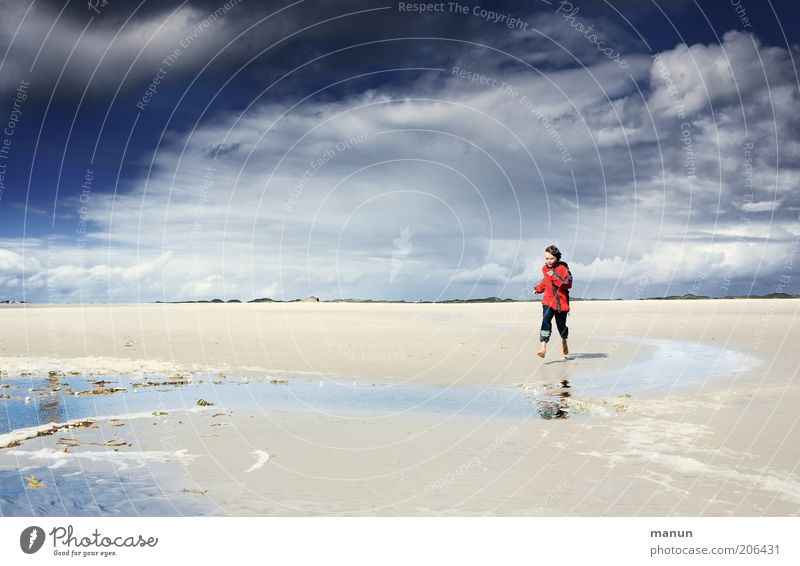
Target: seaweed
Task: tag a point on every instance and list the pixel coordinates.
(102, 391)
(34, 483)
(72, 442)
(172, 381)
(49, 431)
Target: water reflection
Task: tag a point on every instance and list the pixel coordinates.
(78, 397)
(555, 404)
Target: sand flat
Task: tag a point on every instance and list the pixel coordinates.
(436, 344)
(723, 446)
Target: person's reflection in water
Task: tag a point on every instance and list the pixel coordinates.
(556, 406)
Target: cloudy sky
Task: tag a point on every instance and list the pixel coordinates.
(192, 150)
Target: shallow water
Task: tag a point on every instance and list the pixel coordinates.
(665, 366)
(131, 483)
(259, 395)
(661, 366)
(97, 492)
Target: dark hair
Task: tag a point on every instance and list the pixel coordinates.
(552, 250)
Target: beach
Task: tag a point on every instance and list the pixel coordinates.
(684, 407)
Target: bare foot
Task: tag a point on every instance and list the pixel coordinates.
(564, 347)
(540, 353)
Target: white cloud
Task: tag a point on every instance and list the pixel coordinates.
(491, 273)
(292, 208)
(764, 206)
(709, 76)
(12, 262)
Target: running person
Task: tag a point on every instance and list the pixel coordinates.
(555, 285)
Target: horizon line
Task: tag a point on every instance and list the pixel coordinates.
(491, 299)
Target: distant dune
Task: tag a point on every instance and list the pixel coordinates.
(686, 297)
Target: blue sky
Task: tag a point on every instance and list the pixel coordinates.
(193, 150)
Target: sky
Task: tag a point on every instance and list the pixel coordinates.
(164, 151)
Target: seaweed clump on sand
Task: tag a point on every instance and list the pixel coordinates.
(50, 430)
(102, 391)
(173, 380)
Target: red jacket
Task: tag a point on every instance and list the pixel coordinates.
(555, 287)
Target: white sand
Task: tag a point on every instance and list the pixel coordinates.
(725, 446)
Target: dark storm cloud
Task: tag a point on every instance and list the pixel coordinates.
(126, 38)
(405, 182)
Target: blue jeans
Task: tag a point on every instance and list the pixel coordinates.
(547, 323)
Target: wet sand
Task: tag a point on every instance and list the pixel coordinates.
(726, 444)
